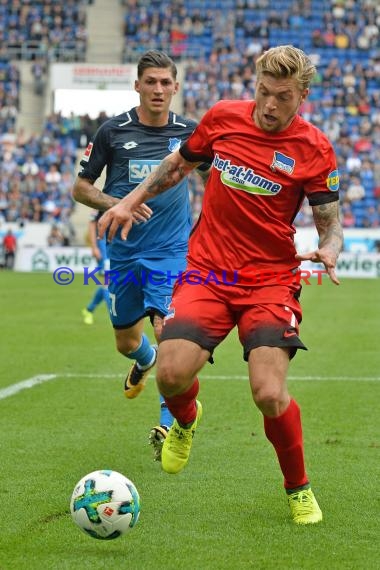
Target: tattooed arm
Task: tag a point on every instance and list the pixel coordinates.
(326, 218)
(85, 192)
(171, 171)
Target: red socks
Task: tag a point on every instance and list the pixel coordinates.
(285, 434)
(183, 406)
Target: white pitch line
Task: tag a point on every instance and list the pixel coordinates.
(238, 377)
(29, 383)
(41, 378)
(316, 378)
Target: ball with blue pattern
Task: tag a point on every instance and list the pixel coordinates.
(105, 504)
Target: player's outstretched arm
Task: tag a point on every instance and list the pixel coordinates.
(86, 193)
(171, 171)
(326, 218)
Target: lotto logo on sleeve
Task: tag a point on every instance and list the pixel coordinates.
(332, 181)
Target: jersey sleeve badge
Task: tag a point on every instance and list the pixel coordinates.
(332, 181)
(87, 152)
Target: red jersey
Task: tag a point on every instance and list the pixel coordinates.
(257, 184)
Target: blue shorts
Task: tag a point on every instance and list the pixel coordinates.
(140, 288)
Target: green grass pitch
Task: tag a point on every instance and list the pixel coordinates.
(227, 510)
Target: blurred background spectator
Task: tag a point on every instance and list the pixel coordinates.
(9, 249)
(55, 238)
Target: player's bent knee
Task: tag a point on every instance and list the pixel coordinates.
(171, 379)
(167, 377)
(269, 400)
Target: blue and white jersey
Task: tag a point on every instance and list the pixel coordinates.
(131, 151)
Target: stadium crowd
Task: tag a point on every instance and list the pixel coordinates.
(218, 48)
(37, 172)
(43, 29)
(9, 95)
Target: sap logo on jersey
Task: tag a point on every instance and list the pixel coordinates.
(140, 169)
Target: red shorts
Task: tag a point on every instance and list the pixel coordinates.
(265, 315)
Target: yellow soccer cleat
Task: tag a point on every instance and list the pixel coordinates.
(177, 445)
(88, 317)
(136, 379)
(304, 507)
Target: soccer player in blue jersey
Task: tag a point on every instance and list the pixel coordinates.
(99, 251)
(143, 268)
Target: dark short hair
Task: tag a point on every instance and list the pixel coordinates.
(155, 58)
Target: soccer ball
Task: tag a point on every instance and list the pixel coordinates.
(105, 504)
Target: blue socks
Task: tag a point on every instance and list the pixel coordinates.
(166, 419)
(101, 294)
(144, 355)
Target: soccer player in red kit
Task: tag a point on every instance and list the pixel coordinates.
(243, 269)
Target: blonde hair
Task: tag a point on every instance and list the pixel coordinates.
(287, 61)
